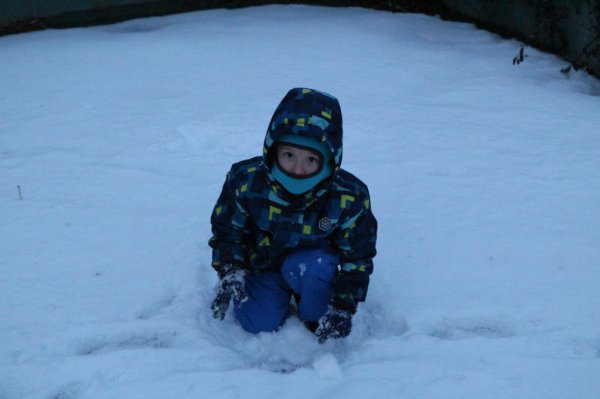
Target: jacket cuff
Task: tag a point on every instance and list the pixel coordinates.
(225, 268)
(341, 304)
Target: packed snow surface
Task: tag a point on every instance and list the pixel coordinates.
(484, 176)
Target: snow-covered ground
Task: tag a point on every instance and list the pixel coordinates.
(484, 176)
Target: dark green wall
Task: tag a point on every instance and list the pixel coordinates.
(16, 10)
(570, 28)
(25, 15)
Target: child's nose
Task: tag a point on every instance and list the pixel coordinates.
(298, 170)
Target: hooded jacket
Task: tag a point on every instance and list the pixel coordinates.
(256, 223)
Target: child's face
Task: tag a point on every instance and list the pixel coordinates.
(298, 162)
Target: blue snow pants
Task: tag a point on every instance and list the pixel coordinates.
(308, 273)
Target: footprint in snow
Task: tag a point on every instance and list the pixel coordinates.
(123, 342)
(472, 328)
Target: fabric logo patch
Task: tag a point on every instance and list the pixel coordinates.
(325, 223)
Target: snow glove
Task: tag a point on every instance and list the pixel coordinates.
(335, 323)
(231, 286)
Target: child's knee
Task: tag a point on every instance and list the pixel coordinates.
(312, 264)
(257, 322)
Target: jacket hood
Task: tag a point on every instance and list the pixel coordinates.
(309, 113)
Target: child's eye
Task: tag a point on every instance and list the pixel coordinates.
(288, 154)
(313, 160)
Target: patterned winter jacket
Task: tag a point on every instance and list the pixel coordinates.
(256, 223)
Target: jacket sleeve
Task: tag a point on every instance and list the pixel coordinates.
(356, 240)
(229, 228)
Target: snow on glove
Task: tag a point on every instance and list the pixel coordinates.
(231, 286)
(335, 323)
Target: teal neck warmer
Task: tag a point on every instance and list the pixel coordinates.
(299, 185)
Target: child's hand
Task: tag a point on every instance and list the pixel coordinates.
(231, 286)
(335, 324)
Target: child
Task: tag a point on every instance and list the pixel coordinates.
(293, 223)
